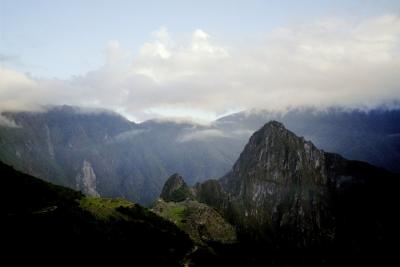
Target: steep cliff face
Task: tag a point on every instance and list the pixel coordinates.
(175, 189)
(132, 160)
(129, 160)
(86, 180)
(285, 190)
(279, 183)
(370, 136)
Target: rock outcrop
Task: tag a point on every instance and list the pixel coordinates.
(201, 222)
(285, 190)
(86, 180)
(175, 189)
(280, 182)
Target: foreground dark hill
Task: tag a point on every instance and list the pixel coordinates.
(309, 206)
(46, 221)
(101, 153)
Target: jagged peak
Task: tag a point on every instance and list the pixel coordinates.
(275, 130)
(175, 178)
(175, 189)
(272, 125)
(275, 147)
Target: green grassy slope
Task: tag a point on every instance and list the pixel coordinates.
(47, 219)
(201, 222)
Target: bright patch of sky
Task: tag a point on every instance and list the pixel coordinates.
(63, 38)
(198, 59)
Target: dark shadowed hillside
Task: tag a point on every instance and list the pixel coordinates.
(53, 221)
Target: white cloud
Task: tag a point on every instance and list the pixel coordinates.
(128, 135)
(201, 44)
(115, 53)
(204, 134)
(324, 63)
(201, 135)
(4, 121)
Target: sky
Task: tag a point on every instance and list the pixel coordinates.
(198, 59)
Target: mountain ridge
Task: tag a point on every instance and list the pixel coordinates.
(286, 193)
(103, 153)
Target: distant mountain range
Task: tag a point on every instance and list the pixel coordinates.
(101, 153)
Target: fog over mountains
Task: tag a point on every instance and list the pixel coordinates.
(201, 133)
(284, 202)
(102, 153)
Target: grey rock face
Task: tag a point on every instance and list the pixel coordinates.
(86, 180)
(175, 189)
(370, 136)
(132, 160)
(284, 189)
(279, 181)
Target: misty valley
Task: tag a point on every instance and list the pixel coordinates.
(247, 191)
(200, 133)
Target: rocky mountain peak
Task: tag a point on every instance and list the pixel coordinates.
(279, 181)
(271, 134)
(175, 189)
(276, 155)
(201, 222)
(274, 124)
(283, 188)
(173, 182)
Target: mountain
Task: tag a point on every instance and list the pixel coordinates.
(284, 203)
(175, 189)
(45, 221)
(372, 136)
(295, 198)
(103, 154)
(203, 224)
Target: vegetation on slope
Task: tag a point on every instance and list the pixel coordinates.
(175, 189)
(106, 208)
(201, 222)
(54, 220)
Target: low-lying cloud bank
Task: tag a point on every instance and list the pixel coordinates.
(200, 135)
(324, 63)
(4, 121)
